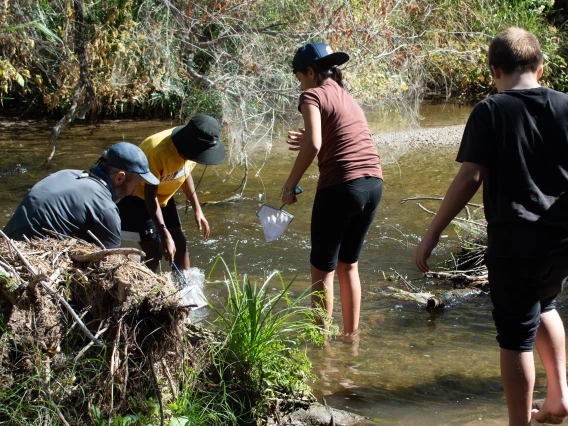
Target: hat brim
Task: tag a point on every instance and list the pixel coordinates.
(176, 130)
(209, 157)
(335, 58)
(150, 178)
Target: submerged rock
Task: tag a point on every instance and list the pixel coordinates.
(321, 415)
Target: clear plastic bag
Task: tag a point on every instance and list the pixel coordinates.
(193, 292)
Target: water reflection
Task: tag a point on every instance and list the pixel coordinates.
(408, 367)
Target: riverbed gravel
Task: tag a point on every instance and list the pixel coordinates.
(421, 137)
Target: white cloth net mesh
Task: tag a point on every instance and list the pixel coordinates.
(274, 221)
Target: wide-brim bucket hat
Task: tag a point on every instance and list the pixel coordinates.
(319, 55)
(200, 140)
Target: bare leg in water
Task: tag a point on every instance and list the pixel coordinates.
(322, 282)
(518, 376)
(551, 346)
(350, 288)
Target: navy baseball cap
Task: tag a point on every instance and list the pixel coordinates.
(318, 54)
(200, 140)
(128, 157)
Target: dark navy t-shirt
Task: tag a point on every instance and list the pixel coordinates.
(521, 136)
(69, 205)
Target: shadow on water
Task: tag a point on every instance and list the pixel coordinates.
(410, 367)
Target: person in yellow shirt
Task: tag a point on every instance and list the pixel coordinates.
(150, 216)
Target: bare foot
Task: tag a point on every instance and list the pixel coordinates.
(550, 414)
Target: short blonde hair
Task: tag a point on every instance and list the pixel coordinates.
(515, 49)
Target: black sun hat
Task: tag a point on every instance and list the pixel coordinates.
(200, 140)
(318, 54)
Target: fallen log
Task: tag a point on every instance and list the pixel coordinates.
(450, 297)
(435, 300)
(459, 275)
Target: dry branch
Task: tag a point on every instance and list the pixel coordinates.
(458, 275)
(433, 197)
(468, 264)
(45, 285)
(100, 255)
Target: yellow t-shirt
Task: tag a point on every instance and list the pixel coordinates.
(166, 164)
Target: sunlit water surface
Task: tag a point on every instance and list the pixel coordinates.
(410, 367)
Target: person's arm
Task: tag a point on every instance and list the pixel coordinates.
(308, 144)
(461, 190)
(189, 190)
(167, 245)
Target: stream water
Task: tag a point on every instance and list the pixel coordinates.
(410, 367)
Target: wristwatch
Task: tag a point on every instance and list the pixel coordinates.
(297, 190)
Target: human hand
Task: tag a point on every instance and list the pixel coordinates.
(167, 247)
(202, 224)
(423, 252)
(288, 198)
(295, 139)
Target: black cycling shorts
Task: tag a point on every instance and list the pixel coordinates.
(135, 220)
(521, 290)
(341, 217)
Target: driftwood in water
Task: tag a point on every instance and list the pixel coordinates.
(466, 267)
(451, 297)
(471, 279)
(438, 299)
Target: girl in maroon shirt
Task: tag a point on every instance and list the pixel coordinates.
(350, 182)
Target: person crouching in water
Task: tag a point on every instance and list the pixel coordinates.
(150, 216)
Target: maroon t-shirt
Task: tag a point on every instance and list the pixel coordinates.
(347, 150)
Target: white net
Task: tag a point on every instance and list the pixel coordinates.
(274, 221)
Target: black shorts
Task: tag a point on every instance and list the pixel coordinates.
(521, 290)
(136, 224)
(341, 217)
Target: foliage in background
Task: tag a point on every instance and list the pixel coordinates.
(231, 58)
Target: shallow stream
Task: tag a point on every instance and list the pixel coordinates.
(410, 367)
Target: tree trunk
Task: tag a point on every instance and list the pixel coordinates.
(77, 108)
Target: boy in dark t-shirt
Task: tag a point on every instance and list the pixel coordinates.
(516, 143)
